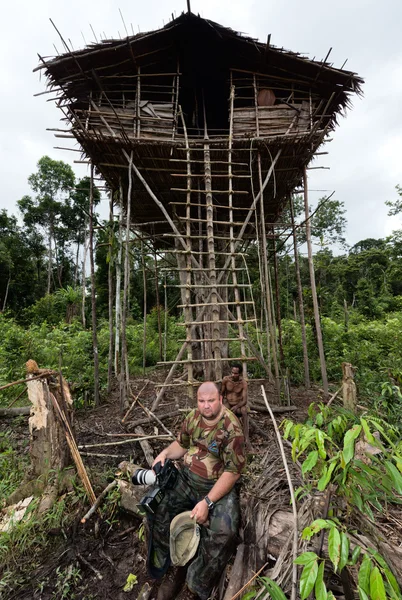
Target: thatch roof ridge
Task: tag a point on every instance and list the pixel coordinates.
(348, 78)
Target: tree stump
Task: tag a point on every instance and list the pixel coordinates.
(348, 387)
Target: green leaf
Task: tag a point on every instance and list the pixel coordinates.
(249, 595)
(344, 551)
(349, 442)
(316, 527)
(288, 428)
(319, 438)
(395, 475)
(132, 580)
(362, 594)
(319, 419)
(369, 436)
(377, 588)
(320, 588)
(273, 588)
(307, 579)
(355, 555)
(306, 558)
(310, 462)
(326, 477)
(334, 547)
(364, 575)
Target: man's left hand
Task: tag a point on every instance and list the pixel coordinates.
(200, 512)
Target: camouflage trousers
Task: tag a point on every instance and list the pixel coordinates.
(219, 536)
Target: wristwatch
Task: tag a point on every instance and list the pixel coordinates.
(209, 502)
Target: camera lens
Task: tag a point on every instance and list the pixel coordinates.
(143, 477)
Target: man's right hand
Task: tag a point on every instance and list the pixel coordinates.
(162, 456)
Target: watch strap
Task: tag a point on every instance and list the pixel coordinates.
(209, 502)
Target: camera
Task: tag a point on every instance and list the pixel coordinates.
(161, 478)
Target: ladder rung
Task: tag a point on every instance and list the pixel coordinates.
(209, 191)
(209, 285)
(238, 339)
(215, 304)
(245, 208)
(237, 322)
(235, 223)
(203, 360)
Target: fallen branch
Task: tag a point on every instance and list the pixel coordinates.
(14, 412)
(146, 448)
(45, 374)
(102, 455)
(292, 495)
(24, 391)
(74, 450)
(119, 443)
(248, 582)
(330, 401)
(98, 501)
(88, 564)
(146, 420)
(151, 414)
(134, 401)
(275, 409)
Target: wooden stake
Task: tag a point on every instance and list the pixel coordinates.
(110, 298)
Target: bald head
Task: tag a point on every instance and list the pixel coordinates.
(209, 400)
(208, 387)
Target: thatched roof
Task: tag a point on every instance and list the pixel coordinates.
(207, 56)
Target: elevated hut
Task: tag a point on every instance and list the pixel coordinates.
(206, 133)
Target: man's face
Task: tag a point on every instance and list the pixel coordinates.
(209, 403)
(235, 373)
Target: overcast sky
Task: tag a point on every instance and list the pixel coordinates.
(365, 156)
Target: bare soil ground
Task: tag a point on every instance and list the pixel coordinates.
(94, 560)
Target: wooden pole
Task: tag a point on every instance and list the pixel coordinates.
(158, 306)
(278, 304)
(216, 348)
(110, 298)
(314, 289)
(118, 289)
(144, 285)
(124, 376)
(301, 302)
(232, 245)
(93, 291)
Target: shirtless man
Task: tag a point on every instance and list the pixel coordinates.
(234, 393)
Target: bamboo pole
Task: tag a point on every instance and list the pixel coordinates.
(118, 288)
(124, 375)
(216, 348)
(232, 246)
(144, 283)
(110, 299)
(158, 305)
(314, 289)
(266, 280)
(93, 291)
(188, 311)
(301, 302)
(278, 305)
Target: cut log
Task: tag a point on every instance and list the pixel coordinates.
(130, 497)
(14, 412)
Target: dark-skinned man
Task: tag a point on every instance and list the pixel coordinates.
(211, 443)
(234, 393)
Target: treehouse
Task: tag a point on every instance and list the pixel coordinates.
(205, 133)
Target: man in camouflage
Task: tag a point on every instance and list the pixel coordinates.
(211, 442)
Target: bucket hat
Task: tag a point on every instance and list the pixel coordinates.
(184, 538)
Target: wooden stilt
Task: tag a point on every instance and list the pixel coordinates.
(93, 291)
(314, 289)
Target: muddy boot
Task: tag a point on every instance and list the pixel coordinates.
(172, 584)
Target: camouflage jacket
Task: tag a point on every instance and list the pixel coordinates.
(212, 450)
